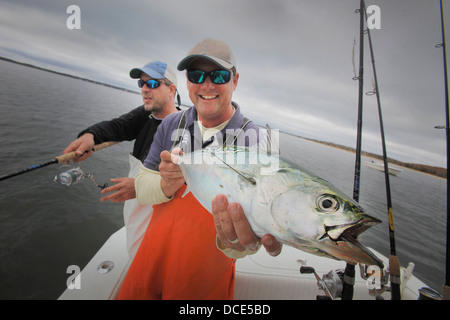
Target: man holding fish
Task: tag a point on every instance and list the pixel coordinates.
(179, 257)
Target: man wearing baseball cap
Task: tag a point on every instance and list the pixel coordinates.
(158, 83)
(182, 255)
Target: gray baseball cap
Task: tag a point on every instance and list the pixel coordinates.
(212, 49)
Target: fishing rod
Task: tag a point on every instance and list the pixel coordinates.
(349, 272)
(62, 158)
(394, 264)
(360, 78)
(446, 286)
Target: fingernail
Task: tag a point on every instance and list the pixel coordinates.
(274, 253)
(233, 208)
(268, 242)
(220, 200)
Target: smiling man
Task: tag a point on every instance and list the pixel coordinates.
(187, 253)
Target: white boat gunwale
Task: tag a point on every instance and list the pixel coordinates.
(258, 277)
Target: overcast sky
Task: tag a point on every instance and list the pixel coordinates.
(294, 58)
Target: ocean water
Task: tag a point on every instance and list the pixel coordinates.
(45, 227)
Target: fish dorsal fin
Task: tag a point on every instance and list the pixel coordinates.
(270, 142)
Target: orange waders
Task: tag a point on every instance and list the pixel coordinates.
(178, 257)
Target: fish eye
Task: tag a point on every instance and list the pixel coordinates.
(328, 203)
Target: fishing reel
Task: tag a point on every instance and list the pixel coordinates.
(332, 283)
(74, 176)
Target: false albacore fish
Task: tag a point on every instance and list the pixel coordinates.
(297, 207)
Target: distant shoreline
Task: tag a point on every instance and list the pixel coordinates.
(436, 171)
(68, 75)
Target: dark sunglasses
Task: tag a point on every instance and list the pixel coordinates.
(152, 84)
(217, 77)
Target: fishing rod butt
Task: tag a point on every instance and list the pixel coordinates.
(445, 292)
(395, 277)
(348, 282)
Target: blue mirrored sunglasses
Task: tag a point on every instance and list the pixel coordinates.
(152, 84)
(217, 76)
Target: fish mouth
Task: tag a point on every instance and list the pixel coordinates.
(350, 230)
(341, 242)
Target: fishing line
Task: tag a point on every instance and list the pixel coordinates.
(59, 159)
(73, 176)
(355, 76)
(65, 176)
(355, 44)
(55, 160)
(374, 90)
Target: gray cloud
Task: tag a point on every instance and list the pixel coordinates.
(294, 59)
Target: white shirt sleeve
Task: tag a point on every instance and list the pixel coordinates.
(148, 187)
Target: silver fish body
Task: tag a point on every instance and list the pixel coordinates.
(298, 208)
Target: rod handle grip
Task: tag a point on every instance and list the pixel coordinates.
(73, 155)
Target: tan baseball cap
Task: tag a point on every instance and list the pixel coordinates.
(212, 49)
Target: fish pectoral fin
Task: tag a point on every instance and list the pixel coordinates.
(241, 174)
(186, 192)
(245, 177)
(248, 178)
